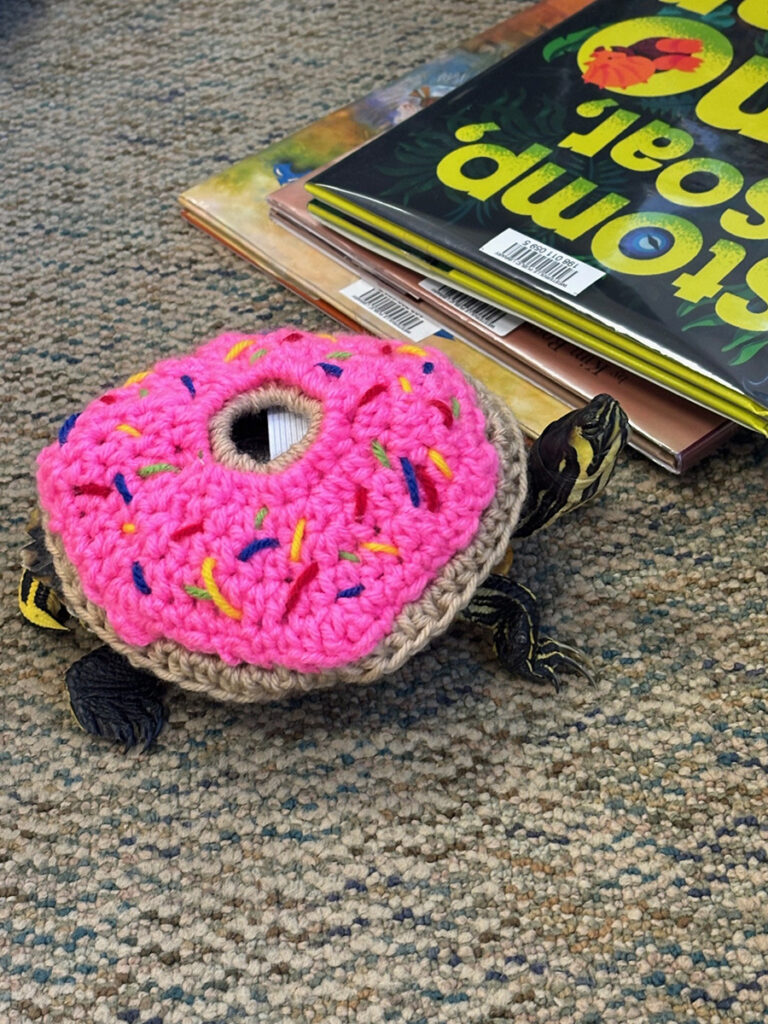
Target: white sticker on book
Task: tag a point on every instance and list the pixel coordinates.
(497, 320)
(391, 310)
(542, 261)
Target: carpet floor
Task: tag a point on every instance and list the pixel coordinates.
(448, 845)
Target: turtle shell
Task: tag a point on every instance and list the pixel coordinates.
(247, 577)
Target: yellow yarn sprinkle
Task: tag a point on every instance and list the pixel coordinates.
(298, 537)
(405, 384)
(216, 595)
(412, 350)
(129, 528)
(387, 549)
(136, 378)
(236, 349)
(440, 462)
(128, 429)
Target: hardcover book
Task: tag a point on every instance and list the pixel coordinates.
(607, 181)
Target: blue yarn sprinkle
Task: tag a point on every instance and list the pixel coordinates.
(351, 591)
(330, 369)
(138, 579)
(66, 427)
(428, 367)
(188, 383)
(122, 487)
(410, 479)
(258, 545)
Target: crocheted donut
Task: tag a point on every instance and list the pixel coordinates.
(186, 547)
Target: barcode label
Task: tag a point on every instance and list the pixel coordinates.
(499, 321)
(542, 261)
(391, 310)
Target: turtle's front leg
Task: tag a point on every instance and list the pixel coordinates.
(112, 699)
(510, 610)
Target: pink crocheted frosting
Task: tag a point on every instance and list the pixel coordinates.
(304, 566)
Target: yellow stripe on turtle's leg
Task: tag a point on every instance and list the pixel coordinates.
(39, 604)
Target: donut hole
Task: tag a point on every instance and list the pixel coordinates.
(265, 430)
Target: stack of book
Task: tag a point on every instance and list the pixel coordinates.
(570, 203)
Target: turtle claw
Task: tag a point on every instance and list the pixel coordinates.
(112, 699)
(510, 610)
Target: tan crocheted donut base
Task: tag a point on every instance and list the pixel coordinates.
(417, 624)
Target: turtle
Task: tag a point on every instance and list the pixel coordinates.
(116, 692)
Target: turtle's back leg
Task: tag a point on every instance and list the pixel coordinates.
(510, 610)
(112, 699)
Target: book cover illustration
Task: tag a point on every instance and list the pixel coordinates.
(612, 172)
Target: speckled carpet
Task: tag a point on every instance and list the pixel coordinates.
(450, 844)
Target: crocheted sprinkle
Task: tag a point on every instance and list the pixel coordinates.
(157, 467)
(258, 354)
(431, 495)
(351, 591)
(235, 351)
(128, 429)
(371, 393)
(257, 545)
(66, 427)
(260, 516)
(412, 350)
(188, 383)
(440, 462)
(410, 479)
(122, 488)
(349, 556)
(92, 490)
(456, 407)
(444, 409)
(339, 355)
(298, 539)
(405, 384)
(330, 369)
(387, 549)
(378, 450)
(129, 527)
(186, 531)
(428, 367)
(300, 584)
(361, 501)
(198, 592)
(216, 595)
(139, 579)
(137, 378)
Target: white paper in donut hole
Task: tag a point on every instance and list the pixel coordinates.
(265, 430)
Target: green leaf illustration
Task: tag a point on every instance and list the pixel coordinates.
(566, 44)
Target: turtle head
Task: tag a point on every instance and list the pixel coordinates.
(572, 461)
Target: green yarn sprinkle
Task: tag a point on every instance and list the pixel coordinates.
(456, 408)
(158, 467)
(261, 515)
(381, 455)
(258, 354)
(198, 592)
(348, 556)
(339, 355)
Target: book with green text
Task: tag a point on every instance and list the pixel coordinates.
(608, 180)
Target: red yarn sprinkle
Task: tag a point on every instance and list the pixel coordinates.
(93, 490)
(427, 486)
(361, 501)
(303, 580)
(108, 399)
(186, 531)
(371, 393)
(445, 411)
